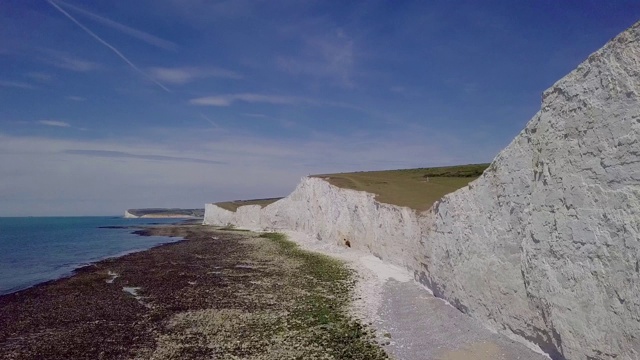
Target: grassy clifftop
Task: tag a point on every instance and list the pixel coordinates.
(415, 188)
(234, 205)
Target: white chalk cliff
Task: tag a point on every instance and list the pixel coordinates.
(544, 245)
(128, 215)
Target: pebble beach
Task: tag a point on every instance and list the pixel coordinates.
(233, 294)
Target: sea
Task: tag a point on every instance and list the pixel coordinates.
(38, 249)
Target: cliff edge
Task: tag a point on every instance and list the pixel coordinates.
(544, 246)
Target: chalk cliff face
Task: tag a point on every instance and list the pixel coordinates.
(336, 215)
(545, 245)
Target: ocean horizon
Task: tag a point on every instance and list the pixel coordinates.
(34, 250)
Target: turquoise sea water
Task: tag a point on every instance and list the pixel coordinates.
(38, 249)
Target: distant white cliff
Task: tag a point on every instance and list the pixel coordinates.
(128, 215)
(162, 213)
(545, 245)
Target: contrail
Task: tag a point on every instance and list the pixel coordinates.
(140, 35)
(116, 51)
(210, 121)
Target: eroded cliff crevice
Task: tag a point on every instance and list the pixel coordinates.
(544, 245)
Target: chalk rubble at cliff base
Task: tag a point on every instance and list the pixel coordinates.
(544, 246)
(411, 323)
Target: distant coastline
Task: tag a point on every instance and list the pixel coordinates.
(161, 213)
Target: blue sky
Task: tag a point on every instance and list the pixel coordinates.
(121, 104)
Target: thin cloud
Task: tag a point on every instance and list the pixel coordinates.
(76, 98)
(76, 65)
(135, 33)
(227, 100)
(202, 12)
(125, 168)
(55, 123)
(17, 84)
(254, 115)
(185, 75)
(330, 57)
(212, 101)
(209, 120)
(125, 155)
(109, 46)
(38, 76)
(62, 60)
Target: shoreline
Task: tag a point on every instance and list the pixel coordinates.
(148, 304)
(383, 299)
(142, 230)
(76, 267)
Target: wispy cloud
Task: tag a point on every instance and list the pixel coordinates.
(77, 65)
(209, 120)
(183, 75)
(39, 76)
(135, 33)
(17, 84)
(254, 115)
(76, 98)
(54, 123)
(65, 61)
(114, 174)
(330, 57)
(203, 12)
(126, 155)
(229, 99)
(104, 183)
(226, 100)
(109, 46)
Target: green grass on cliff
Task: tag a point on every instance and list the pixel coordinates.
(234, 205)
(415, 188)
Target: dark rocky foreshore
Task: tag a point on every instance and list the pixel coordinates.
(220, 294)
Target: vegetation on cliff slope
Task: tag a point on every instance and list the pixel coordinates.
(234, 205)
(414, 188)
